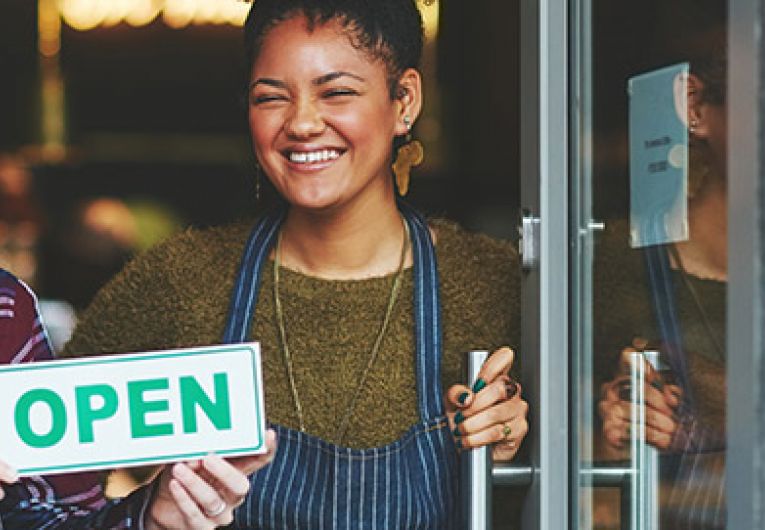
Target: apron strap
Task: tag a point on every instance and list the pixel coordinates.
(665, 311)
(247, 287)
(427, 306)
(427, 314)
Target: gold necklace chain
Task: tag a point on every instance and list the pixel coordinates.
(343, 427)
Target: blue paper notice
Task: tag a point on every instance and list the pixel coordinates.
(658, 139)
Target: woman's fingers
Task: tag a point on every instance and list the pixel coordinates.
(8, 475)
(618, 426)
(458, 397)
(673, 394)
(203, 494)
(659, 439)
(631, 360)
(656, 398)
(501, 390)
(209, 502)
(250, 464)
(192, 513)
(503, 412)
(492, 410)
(618, 433)
(509, 432)
(653, 419)
(498, 363)
(211, 489)
(233, 484)
(504, 421)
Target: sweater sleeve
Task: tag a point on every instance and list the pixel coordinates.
(74, 500)
(480, 286)
(130, 313)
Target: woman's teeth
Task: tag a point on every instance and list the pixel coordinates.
(306, 157)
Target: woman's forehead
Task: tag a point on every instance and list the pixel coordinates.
(295, 46)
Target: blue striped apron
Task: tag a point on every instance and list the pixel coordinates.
(313, 484)
(694, 470)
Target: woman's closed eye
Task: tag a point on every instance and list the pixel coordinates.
(339, 93)
(260, 99)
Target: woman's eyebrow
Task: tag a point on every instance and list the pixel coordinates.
(326, 78)
(270, 82)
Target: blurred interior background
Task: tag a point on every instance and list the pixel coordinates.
(122, 121)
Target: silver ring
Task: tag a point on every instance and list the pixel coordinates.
(217, 511)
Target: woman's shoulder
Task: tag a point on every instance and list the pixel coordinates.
(195, 255)
(474, 259)
(456, 243)
(203, 242)
(154, 301)
(192, 250)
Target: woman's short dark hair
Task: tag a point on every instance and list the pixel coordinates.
(388, 30)
(695, 31)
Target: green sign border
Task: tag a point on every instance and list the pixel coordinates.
(132, 357)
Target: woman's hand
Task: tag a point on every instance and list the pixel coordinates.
(661, 400)
(492, 412)
(8, 475)
(202, 494)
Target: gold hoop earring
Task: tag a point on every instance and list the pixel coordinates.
(409, 155)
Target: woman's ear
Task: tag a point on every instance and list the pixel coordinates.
(408, 100)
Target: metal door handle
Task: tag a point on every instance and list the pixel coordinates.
(528, 243)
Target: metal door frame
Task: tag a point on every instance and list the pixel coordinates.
(544, 194)
(545, 187)
(745, 467)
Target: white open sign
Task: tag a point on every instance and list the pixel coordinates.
(128, 410)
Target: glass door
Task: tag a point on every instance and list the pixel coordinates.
(653, 268)
(642, 250)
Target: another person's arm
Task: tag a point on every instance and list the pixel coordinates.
(200, 494)
(70, 501)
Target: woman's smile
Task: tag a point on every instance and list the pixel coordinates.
(312, 159)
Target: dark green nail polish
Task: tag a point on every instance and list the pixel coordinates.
(458, 443)
(456, 431)
(463, 397)
(459, 418)
(478, 385)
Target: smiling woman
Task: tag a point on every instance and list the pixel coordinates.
(363, 308)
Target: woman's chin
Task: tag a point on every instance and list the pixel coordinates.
(317, 203)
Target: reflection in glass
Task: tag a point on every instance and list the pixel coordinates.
(658, 331)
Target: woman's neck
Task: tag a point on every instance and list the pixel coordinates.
(361, 242)
(705, 254)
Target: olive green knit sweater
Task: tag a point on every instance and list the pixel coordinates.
(177, 295)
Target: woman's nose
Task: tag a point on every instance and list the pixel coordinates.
(306, 120)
